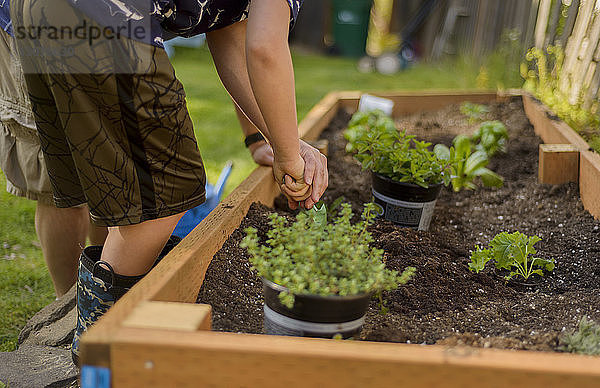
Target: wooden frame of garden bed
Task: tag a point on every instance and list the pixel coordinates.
(156, 336)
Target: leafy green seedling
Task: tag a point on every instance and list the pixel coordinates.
(513, 252)
(381, 148)
(312, 256)
(474, 112)
(466, 165)
(585, 340)
(491, 137)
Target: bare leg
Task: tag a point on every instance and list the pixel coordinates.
(97, 234)
(131, 250)
(62, 233)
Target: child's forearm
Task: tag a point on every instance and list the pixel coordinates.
(271, 73)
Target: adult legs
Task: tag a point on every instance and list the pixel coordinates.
(62, 234)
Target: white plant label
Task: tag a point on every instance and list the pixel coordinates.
(368, 102)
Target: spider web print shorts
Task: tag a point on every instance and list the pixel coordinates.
(112, 120)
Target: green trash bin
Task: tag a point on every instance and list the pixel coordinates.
(350, 26)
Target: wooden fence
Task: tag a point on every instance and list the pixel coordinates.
(476, 27)
(580, 37)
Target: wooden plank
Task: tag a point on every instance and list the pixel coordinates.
(321, 144)
(319, 117)
(553, 23)
(169, 315)
(529, 32)
(574, 44)
(558, 164)
(569, 23)
(226, 359)
(589, 182)
(592, 90)
(588, 46)
(480, 28)
(542, 23)
(411, 102)
(547, 126)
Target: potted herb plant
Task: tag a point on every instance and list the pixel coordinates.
(407, 176)
(319, 277)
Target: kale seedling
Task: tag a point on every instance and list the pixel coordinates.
(511, 251)
(586, 340)
(313, 256)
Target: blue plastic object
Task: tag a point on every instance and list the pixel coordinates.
(195, 41)
(95, 377)
(192, 217)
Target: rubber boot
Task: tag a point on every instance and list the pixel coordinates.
(99, 287)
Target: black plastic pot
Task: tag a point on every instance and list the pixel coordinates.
(313, 315)
(404, 204)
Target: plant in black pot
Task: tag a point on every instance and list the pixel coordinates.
(319, 276)
(407, 175)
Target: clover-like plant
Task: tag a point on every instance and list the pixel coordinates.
(314, 256)
(513, 252)
(380, 147)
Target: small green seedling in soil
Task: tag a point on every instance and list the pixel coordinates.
(585, 340)
(511, 251)
(313, 256)
(466, 165)
(490, 137)
(474, 112)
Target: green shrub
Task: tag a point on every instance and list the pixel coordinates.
(313, 256)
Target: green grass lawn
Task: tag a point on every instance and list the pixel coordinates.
(25, 286)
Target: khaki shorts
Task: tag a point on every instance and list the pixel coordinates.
(21, 157)
(112, 120)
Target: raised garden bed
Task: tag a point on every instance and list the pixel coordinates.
(143, 351)
(445, 302)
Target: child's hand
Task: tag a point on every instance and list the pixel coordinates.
(290, 176)
(315, 172)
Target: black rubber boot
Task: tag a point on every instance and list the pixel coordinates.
(99, 287)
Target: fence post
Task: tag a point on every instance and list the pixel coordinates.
(581, 72)
(574, 44)
(542, 23)
(569, 23)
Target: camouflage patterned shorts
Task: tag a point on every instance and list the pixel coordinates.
(113, 122)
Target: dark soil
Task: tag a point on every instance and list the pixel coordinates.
(445, 302)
